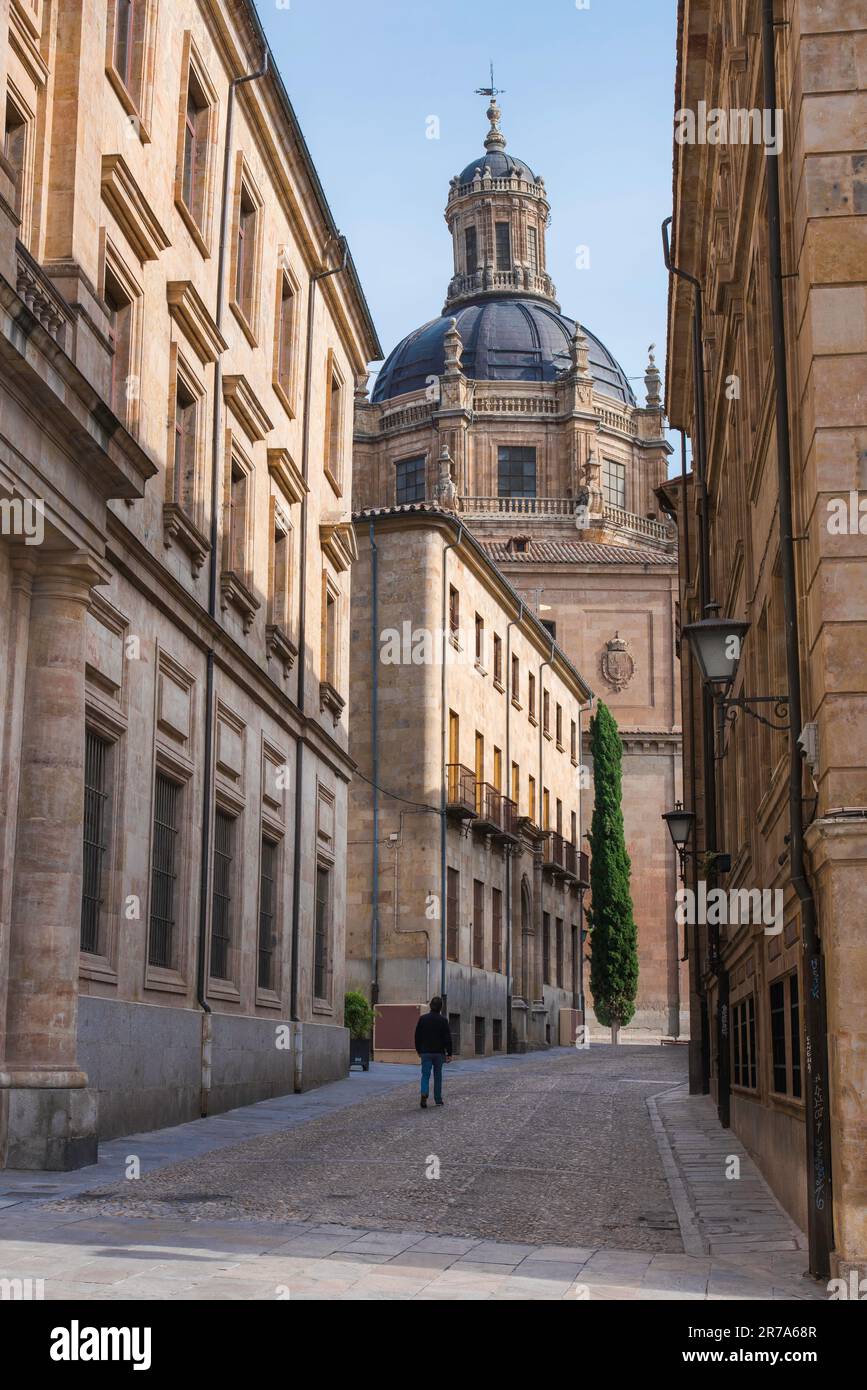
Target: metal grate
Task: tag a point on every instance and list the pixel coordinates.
(267, 912)
(320, 940)
(163, 872)
(221, 911)
(96, 751)
(479, 1035)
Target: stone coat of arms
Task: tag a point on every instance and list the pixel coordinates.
(618, 667)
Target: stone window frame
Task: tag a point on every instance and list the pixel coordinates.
(281, 608)
(237, 583)
(102, 965)
(193, 64)
(420, 466)
(234, 806)
(332, 467)
(788, 970)
(272, 825)
(286, 384)
(498, 663)
(112, 263)
(15, 98)
(753, 1061)
(137, 102)
(607, 485)
(171, 979)
(325, 860)
(184, 518)
(246, 184)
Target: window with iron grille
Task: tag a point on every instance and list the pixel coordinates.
(516, 471)
(496, 1035)
(322, 931)
(221, 910)
(478, 924)
(97, 752)
(164, 872)
(559, 936)
(267, 911)
(496, 929)
(795, 1033)
(479, 1035)
(744, 1064)
(504, 246)
(409, 480)
(614, 483)
(786, 1036)
(546, 948)
(452, 894)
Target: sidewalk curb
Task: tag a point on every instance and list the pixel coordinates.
(693, 1242)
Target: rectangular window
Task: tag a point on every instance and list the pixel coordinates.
(409, 481)
(480, 640)
(744, 1061)
(222, 907)
(575, 828)
(454, 737)
(285, 336)
(15, 148)
(546, 809)
(124, 14)
(503, 232)
(186, 446)
(267, 912)
(550, 627)
(778, 1037)
(558, 928)
(533, 249)
(453, 882)
(480, 757)
(238, 505)
(531, 695)
(245, 254)
(573, 741)
(97, 752)
(559, 816)
(498, 661)
(546, 711)
(321, 933)
(329, 636)
(614, 483)
(498, 769)
(164, 872)
(516, 784)
(478, 924)
(471, 247)
(479, 1036)
(546, 948)
(120, 337)
(496, 929)
(795, 1034)
(531, 798)
(281, 569)
(195, 158)
(496, 1035)
(334, 426)
(454, 611)
(516, 679)
(558, 725)
(516, 471)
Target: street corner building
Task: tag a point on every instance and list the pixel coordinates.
(524, 424)
(181, 331)
(767, 364)
(465, 870)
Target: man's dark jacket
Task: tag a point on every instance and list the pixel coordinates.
(432, 1034)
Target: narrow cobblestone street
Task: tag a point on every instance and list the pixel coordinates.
(563, 1174)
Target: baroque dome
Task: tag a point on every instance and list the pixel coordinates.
(504, 339)
(500, 165)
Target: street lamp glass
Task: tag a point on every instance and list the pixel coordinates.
(717, 644)
(680, 823)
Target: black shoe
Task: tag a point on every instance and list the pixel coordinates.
(440, 1102)
(424, 1102)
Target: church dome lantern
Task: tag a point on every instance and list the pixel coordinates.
(498, 213)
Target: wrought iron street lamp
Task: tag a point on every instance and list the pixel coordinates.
(680, 825)
(716, 644)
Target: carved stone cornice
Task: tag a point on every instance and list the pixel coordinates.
(337, 539)
(122, 195)
(246, 407)
(287, 475)
(189, 311)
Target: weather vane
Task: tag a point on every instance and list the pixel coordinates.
(491, 91)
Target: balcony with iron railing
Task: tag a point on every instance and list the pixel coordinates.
(496, 814)
(460, 791)
(560, 856)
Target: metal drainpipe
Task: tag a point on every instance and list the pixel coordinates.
(208, 776)
(708, 751)
(515, 622)
(542, 825)
(820, 1211)
(302, 632)
(374, 739)
(443, 789)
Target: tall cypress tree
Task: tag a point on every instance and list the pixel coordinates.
(613, 934)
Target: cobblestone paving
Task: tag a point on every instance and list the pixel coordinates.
(543, 1150)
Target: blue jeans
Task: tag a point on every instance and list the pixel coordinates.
(435, 1061)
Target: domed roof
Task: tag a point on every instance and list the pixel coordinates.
(501, 165)
(508, 339)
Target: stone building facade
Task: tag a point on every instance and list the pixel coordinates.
(181, 334)
(769, 1058)
(465, 870)
(555, 466)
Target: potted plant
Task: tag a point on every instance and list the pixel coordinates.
(359, 1017)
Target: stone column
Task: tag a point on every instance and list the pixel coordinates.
(47, 1116)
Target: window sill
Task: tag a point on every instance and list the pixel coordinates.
(480, 668)
(280, 647)
(234, 592)
(330, 699)
(455, 641)
(96, 967)
(574, 760)
(246, 326)
(224, 989)
(158, 977)
(498, 685)
(516, 704)
(268, 999)
(284, 396)
(321, 1006)
(561, 747)
(547, 735)
(533, 720)
(193, 227)
(335, 484)
(127, 101)
(178, 526)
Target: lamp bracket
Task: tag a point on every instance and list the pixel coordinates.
(730, 705)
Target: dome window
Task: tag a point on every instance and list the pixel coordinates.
(504, 246)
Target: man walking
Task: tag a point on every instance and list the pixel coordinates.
(433, 1043)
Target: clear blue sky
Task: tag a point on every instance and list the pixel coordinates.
(588, 103)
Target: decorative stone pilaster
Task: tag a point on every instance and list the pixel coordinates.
(47, 1117)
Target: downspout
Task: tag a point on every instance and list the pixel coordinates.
(708, 759)
(542, 825)
(515, 622)
(374, 741)
(443, 787)
(820, 1211)
(302, 656)
(208, 778)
